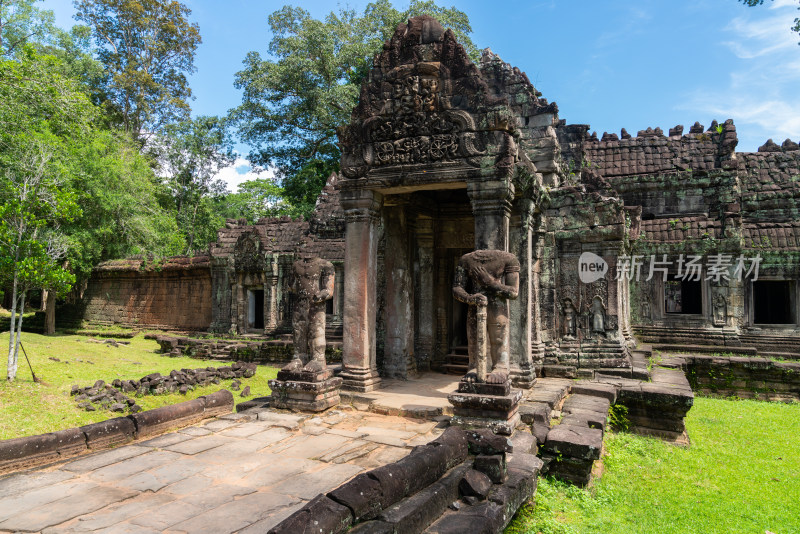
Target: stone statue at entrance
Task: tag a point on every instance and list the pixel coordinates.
(486, 280)
(312, 283)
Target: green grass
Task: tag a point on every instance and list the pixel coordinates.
(28, 408)
(740, 475)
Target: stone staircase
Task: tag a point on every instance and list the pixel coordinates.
(457, 362)
(569, 417)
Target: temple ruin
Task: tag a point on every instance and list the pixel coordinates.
(443, 156)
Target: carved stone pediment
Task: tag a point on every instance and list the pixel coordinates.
(248, 254)
(426, 108)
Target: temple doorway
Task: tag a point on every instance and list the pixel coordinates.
(255, 309)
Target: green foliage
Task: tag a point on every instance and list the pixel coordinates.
(146, 47)
(294, 101)
(258, 198)
(122, 216)
(21, 23)
(738, 476)
(618, 418)
(35, 408)
(191, 153)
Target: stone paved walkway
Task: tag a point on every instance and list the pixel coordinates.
(239, 473)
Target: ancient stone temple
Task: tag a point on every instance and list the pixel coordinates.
(443, 157)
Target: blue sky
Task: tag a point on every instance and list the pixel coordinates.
(611, 64)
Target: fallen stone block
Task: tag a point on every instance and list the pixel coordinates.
(476, 484)
(493, 466)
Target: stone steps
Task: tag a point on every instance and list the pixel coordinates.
(572, 446)
(457, 362)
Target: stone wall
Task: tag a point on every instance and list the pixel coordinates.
(747, 378)
(172, 295)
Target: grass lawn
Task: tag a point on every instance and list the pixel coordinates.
(28, 408)
(740, 475)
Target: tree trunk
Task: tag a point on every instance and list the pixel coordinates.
(43, 304)
(50, 314)
(19, 330)
(12, 361)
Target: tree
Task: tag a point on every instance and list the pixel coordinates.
(21, 22)
(147, 47)
(33, 202)
(191, 154)
(292, 104)
(256, 199)
(753, 3)
(100, 169)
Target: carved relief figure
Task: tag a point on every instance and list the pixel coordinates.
(720, 306)
(570, 320)
(646, 309)
(311, 280)
(598, 314)
(486, 280)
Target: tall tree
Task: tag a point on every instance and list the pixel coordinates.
(33, 202)
(147, 47)
(191, 154)
(294, 101)
(753, 3)
(21, 22)
(99, 169)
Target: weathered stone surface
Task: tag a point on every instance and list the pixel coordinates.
(475, 484)
(305, 396)
(597, 389)
(109, 433)
(362, 495)
(156, 421)
(321, 515)
(416, 512)
(482, 441)
(19, 453)
(217, 403)
(373, 527)
(574, 442)
(484, 518)
(493, 466)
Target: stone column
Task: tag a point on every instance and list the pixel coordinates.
(221, 295)
(426, 319)
(520, 244)
(271, 296)
(359, 369)
(398, 360)
(491, 206)
(537, 253)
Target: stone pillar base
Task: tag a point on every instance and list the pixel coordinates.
(304, 391)
(360, 380)
(523, 378)
(492, 406)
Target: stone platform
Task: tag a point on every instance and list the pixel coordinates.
(305, 391)
(425, 396)
(243, 472)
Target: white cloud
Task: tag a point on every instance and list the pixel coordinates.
(760, 93)
(241, 171)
